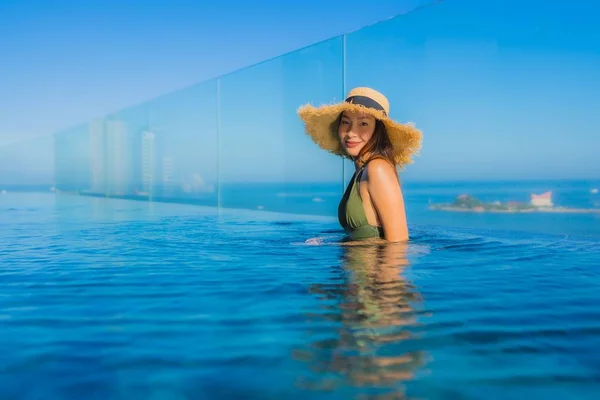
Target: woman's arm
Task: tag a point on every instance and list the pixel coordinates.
(386, 197)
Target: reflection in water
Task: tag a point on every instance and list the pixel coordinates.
(370, 345)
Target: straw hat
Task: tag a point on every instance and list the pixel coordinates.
(320, 124)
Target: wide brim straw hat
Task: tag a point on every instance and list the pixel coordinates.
(320, 124)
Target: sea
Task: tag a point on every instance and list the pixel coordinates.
(322, 199)
(121, 299)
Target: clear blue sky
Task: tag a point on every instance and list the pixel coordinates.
(503, 89)
(66, 61)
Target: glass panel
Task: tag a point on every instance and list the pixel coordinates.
(266, 160)
(109, 144)
(72, 159)
(122, 130)
(501, 95)
(27, 165)
(98, 163)
(177, 154)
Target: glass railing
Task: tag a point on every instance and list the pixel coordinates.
(232, 142)
(265, 160)
(499, 90)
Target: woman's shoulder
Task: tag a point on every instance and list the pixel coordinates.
(380, 169)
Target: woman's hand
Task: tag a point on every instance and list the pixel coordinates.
(314, 241)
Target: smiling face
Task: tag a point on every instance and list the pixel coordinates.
(355, 130)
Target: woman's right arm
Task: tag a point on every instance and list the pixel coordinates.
(387, 199)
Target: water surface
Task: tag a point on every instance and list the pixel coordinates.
(118, 299)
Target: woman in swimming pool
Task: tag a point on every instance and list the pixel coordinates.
(359, 128)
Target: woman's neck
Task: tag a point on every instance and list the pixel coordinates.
(360, 162)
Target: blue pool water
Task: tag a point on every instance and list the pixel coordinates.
(111, 299)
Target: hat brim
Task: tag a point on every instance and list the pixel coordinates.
(319, 125)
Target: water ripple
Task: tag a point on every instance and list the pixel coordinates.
(127, 301)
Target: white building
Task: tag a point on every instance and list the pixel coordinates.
(542, 200)
(148, 159)
(118, 158)
(97, 156)
(168, 176)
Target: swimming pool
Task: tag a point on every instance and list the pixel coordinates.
(118, 299)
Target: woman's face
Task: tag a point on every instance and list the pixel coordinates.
(356, 128)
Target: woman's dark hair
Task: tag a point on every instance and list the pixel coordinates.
(379, 146)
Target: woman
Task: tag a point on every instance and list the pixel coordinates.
(360, 128)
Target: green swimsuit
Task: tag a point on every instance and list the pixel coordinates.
(351, 213)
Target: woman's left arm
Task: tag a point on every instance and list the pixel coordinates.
(386, 196)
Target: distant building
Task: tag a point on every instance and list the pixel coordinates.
(168, 177)
(148, 160)
(97, 156)
(117, 157)
(542, 200)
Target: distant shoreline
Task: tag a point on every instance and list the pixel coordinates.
(560, 210)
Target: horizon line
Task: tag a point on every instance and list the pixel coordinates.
(336, 182)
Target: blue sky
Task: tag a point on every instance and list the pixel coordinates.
(66, 61)
(502, 89)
